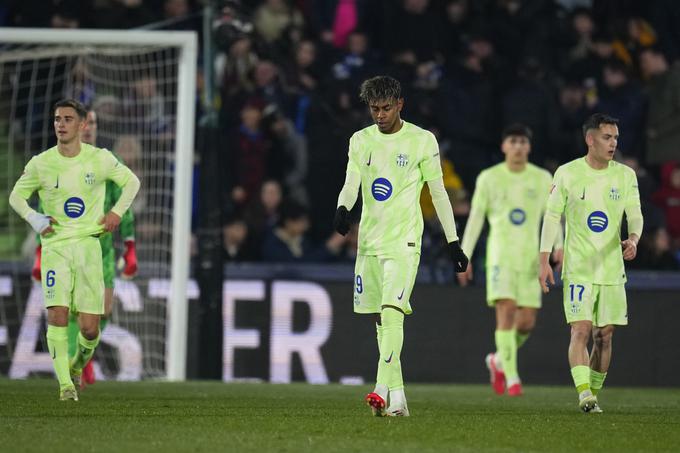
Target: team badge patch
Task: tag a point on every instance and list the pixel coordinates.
(598, 221)
(402, 160)
(381, 189)
(74, 207)
(614, 194)
(89, 178)
(517, 216)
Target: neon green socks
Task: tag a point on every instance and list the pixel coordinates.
(581, 376)
(389, 365)
(84, 353)
(73, 331)
(57, 343)
(596, 381)
(506, 348)
(521, 338)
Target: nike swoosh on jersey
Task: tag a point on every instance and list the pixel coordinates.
(370, 156)
(583, 195)
(56, 186)
(401, 295)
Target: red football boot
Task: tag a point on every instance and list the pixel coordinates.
(88, 374)
(377, 404)
(515, 389)
(496, 376)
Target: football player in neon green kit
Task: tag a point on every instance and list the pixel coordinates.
(71, 182)
(512, 196)
(129, 257)
(593, 193)
(391, 160)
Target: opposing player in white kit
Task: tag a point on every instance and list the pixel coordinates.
(512, 196)
(391, 161)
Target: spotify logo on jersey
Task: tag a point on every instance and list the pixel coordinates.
(381, 189)
(74, 207)
(517, 216)
(598, 221)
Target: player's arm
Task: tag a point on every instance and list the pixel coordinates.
(128, 182)
(557, 200)
(558, 245)
(475, 223)
(28, 183)
(350, 191)
(635, 222)
(431, 171)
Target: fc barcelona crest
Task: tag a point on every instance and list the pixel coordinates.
(89, 178)
(402, 160)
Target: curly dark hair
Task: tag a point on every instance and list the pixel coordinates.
(380, 88)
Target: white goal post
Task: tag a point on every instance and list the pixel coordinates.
(186, 45)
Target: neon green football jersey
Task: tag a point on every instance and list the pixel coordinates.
(393, 169)
(72, 189)
(513, 203)
(593, 202)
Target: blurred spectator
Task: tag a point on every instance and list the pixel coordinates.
(304, 74)
(469, 103)
(655, 252)
(415, 31)
(262, 214)
(356, 63)
(583, 27)
(663, 115)
(79, 85)
(129, 149)
(122, 14)
(289, 243)
(638, 34)
(236, 240)
(288, 155)
(573, 113)
(589, 68)
(233, 73)
(622, 98)
(665, 17)
(531, 102)
(668, 198)
(273, 17)
(248, 155)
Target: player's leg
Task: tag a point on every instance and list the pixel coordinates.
(506, 344)
(89, 299)
(579, 303)
(57, 284)
(528, 304)
(600, 357)
(611, 310)
(398, 279)
(367, 297)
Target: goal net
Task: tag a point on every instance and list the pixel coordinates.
(141, 86)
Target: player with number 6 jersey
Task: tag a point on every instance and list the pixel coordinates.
(70, 179)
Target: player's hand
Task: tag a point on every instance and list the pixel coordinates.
(49, 230)
(629, 249)
(129, 260)
(341, 220)
(465, 277)
(546, 275)
(558, 259)
(460, 261)
(111, 220)
(35, 272)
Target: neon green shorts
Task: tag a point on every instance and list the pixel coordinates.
(72, 275)
(505, 283)
(108, 259)
(382, 281)
(601, 304)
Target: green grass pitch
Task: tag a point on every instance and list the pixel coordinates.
(202, 416)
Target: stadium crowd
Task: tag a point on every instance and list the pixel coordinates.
(288, 73)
